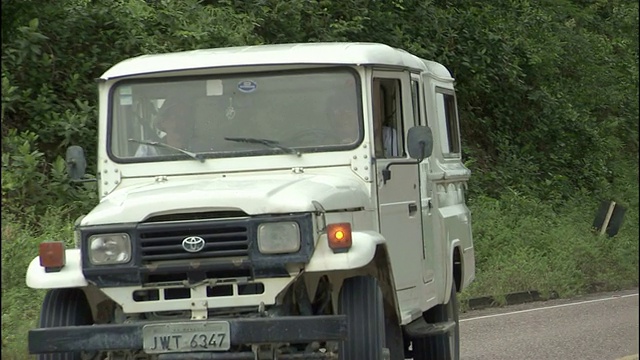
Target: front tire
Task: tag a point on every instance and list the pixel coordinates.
(64, 307)
(445, 346)
(361, 300)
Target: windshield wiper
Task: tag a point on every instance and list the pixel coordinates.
(270, 143)
(159, 144)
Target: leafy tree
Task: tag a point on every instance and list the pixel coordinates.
(547, 90)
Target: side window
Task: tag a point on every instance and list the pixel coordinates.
(449, 126)
(387, 118)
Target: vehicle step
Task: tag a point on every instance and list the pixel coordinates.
(420, 328)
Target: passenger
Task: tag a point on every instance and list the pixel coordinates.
(386, 137)
(389, 138)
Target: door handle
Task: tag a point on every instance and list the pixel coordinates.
(413, 208)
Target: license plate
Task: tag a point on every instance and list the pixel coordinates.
(186, 336)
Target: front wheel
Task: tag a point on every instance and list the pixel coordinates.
(64, 307)
(445, 346)
(361, 300)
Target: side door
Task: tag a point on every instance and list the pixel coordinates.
(399, 198)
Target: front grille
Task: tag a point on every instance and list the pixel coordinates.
(230, 249)
(164, 241)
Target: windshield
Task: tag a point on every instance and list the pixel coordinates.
(238, 115)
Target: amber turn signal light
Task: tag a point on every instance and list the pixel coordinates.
(52, 255)
(339, 236)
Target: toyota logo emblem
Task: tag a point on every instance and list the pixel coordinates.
(193, 244)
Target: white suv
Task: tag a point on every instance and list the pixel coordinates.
(296, 201)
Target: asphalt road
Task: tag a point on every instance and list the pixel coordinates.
(597, 327)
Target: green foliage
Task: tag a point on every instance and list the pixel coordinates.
(524, 244)
(50, 56)
(547, 93)
(532, 80)
(21, 234)
(30, 182)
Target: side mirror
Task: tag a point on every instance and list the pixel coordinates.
(76, 162)
(420, 142)
(420, 146)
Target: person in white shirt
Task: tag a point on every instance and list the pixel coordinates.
(172, 130)
(390, 141)
(386, 137)
(344, 122)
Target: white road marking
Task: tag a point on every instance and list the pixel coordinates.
(549, 307)
(630, 357)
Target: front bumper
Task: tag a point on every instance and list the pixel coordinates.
(290, 329)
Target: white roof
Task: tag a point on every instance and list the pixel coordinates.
(281, 54)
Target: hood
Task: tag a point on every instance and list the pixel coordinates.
(265, 194)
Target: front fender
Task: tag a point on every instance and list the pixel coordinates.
(362, 251)
(69, 277)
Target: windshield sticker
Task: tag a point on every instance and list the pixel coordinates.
(214, 87)
(126, 97)
(247, 86)
(126, 100)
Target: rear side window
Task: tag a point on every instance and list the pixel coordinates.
(449, 125)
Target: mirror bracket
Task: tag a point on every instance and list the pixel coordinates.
(83, 180)
(386, 172)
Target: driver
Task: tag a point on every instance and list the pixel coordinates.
(174, 132)
(343, 118)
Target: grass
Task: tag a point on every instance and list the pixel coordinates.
(521, 244)
(524, 244)
(20, 304)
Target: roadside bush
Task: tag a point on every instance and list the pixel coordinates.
(524, 244)
(51, 54)
(21, 234)
(547, 92)
(29, 182)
